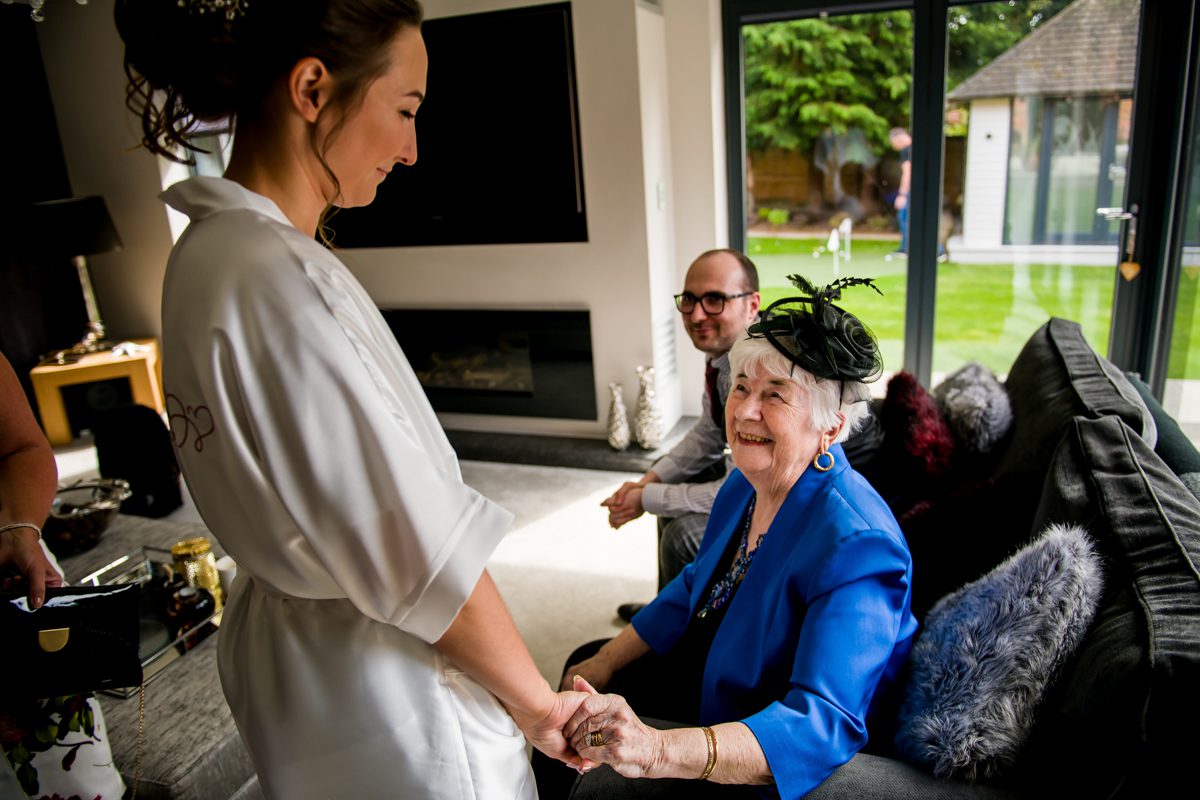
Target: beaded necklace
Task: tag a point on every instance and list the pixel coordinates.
(722, 590)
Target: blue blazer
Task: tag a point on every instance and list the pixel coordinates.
(820, 623)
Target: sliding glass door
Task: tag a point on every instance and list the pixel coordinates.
(823, 94)
(1036, 141)
(976, 158)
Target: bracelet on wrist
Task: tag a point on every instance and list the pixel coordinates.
(711, 739)
(14, 525)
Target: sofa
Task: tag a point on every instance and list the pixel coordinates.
(1082, 447)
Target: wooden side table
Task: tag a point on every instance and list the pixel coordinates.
(142, 370)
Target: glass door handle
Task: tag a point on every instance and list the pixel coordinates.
(1128, 237)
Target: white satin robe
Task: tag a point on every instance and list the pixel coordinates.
(316, 460)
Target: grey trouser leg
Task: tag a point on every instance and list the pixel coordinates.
(678, 540)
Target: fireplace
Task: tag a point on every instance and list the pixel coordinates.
(514, 363)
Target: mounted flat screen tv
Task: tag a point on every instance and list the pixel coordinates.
(498, 155)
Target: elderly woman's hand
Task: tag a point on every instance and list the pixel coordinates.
(620, 739)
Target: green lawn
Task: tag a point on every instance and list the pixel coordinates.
(984, 312)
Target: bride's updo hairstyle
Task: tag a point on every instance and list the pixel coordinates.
(211, 61)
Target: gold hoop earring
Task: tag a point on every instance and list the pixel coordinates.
(817, 461)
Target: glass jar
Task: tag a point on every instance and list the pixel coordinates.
(196, 564)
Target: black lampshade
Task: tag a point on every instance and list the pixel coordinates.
(77, 226)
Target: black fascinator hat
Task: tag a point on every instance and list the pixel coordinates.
(817, 336)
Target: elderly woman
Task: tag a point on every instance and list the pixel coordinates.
(795, 614)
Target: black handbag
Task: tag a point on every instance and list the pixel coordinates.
(82, 639)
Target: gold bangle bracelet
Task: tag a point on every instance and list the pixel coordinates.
(711, 738)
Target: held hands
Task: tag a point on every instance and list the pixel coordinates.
(546, 733)
(621, 740)
(625, 504)
(901, 201)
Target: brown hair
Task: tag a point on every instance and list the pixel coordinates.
(187, 68)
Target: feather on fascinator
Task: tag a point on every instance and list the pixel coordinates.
(820, 337)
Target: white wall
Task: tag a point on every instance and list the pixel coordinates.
(647, 113)
(658, 200)
(987, 173)
(699, 197)
(83, 58)
(608, 275)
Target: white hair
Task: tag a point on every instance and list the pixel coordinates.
(828, 398)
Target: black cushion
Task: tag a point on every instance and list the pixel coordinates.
(961, 536)
(1056, 377)
(1124, 711)
(1173, 447)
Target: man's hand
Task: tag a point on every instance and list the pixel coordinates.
(901, 201)
(626, 503)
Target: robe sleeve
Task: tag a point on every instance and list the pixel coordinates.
(392, 524)
(856, 602)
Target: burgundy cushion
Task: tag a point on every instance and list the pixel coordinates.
(918, 448)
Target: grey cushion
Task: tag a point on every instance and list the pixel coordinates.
(1123, 714)
(976, 406)
(989, 651)
(1056, 377)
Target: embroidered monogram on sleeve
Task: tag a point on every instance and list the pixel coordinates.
(187, 420)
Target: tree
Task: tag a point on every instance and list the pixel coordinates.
(810, 77)
(830, 88)
(978, 34)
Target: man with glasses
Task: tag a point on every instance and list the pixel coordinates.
(719, 300)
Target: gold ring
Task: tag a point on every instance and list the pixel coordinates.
(595, 739)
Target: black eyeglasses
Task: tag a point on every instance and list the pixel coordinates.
(712, 302)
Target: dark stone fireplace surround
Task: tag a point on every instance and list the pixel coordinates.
(507, 362)
(515, 363)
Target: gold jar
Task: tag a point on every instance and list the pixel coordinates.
(196, 564)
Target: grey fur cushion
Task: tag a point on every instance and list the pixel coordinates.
(976, 406)
(990, 650)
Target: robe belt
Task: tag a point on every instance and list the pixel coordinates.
(267, 589)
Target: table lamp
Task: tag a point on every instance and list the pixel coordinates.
(74, 228)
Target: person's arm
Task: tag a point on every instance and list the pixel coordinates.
(702, 446)
(677, 499)
(28, 480)
(856, 604)
(905, 184)
(657, 491)
(623, 649)
(483, 642)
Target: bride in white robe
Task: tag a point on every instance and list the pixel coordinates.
(364, 650)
